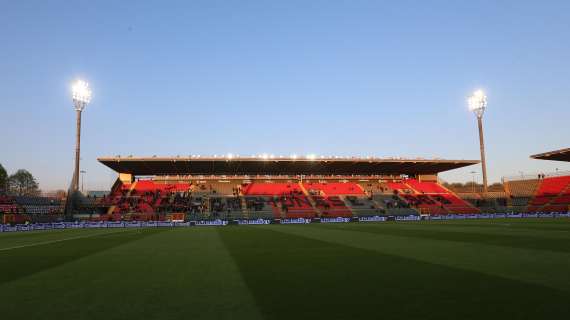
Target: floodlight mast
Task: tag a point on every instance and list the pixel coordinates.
(478, 104)
(81, 95)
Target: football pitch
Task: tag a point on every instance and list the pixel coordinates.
(492, 269)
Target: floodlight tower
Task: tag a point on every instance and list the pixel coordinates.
(478, 103)
(81, 95)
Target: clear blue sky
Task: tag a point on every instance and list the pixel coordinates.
(386, 78)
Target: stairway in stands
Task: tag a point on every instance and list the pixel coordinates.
(113, 207)
(243, 204)
(329, 198)
(433, 198)
(311, 200)
(288, 199)
(464, 206)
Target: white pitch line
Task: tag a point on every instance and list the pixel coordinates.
(58, 240)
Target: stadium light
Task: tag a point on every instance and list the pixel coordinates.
(81, 96)
(478, 104)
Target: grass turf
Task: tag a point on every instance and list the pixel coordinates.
(496, 269)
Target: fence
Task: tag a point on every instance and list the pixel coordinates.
(218, 222)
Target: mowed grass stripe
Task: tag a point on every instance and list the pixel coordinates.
(170, 274)
(15, 239)
(499, 237)
(545, 268)
(24, 261)
(499, 229)
(546, 224)
(69, 238)
(294, 276)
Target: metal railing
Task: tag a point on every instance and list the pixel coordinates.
(536, 176)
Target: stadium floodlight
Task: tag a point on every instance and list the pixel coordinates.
(478, 104)
(81, 95)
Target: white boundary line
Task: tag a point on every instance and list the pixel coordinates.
(58, 240)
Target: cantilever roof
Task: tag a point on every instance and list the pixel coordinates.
(279, 166)
(557, 155)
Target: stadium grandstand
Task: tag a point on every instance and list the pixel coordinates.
(551, 191)
(195, 188)
(203, 188)
(19, 209)
(273, 188)
(538, 193)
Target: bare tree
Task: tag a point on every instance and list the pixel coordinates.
(23, 183)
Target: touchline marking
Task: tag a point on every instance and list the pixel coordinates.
(58, 240)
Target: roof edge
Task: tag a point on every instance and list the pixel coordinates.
(288, 159)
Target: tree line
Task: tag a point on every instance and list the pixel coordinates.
(20, 183)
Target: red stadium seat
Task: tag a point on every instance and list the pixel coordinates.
(552, 195)
(335, 188)
(271, 189)
(431, 197)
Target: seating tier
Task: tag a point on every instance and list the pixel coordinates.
(271, 189)
(334, 188)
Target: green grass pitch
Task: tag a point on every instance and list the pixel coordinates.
(501, 269)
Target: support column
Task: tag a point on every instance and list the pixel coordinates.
(483, 161)
(75, 183)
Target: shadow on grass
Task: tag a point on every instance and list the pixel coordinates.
(504, 240)
(22, 262)
(297, 278)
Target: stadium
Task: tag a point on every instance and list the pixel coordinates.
(360, 235)
(237, 189)
(420, 186)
